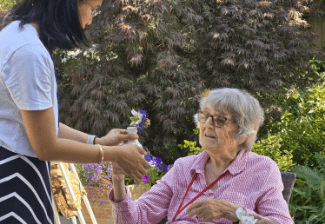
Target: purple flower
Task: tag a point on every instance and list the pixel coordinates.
(158, 160)
(159, 167)
(147, 157)
(145, 178)
(144, 120)
(165, 167)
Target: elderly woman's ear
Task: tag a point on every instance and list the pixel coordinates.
(241, 139)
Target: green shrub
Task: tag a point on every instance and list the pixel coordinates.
(302, 124)
(7, 4)
(191, 145)
(307, 201)
(271, 147)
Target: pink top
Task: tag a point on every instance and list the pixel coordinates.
(251, 180)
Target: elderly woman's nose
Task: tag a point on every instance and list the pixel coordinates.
(209, 122)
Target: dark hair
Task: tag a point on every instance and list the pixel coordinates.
(58, 21)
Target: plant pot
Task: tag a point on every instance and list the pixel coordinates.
(103, 212)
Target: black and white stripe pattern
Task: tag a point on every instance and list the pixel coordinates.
(25, 189)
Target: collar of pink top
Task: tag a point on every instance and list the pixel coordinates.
(234, 168)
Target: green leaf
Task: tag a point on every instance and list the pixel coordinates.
(295, 95)
(322, 191)
(300, 182)
(134, 119)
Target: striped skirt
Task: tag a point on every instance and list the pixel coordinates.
(25, 189)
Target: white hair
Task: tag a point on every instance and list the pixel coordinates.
(244, 108)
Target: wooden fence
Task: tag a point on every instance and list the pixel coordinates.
(318, 26)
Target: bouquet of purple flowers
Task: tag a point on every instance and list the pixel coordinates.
(140, 119)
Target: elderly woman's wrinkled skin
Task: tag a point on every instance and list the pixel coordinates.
(220, 143)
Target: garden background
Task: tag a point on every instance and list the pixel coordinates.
(161, 55)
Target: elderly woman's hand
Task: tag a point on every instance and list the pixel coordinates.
(117, 170)
(260, 219)
(213, 208)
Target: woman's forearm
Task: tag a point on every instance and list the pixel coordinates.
(69, 133)
(119, 187)
(69, 151)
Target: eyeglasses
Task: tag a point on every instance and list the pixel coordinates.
(95, 12)
(217, 121)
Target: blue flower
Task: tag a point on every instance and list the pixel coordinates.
(165, 167)
(144, 120)
(155, 160)
(159, 161)
(147, 157)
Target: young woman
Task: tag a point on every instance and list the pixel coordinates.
(30, 132)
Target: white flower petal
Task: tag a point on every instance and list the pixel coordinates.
(134, 113)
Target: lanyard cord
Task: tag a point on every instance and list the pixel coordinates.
(179, 210)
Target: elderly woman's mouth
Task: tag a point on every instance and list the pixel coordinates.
(209, 136)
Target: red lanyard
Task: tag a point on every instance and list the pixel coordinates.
(180, 210)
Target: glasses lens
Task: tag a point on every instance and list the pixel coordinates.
(219, 121)
(96, 13)
(202, 117)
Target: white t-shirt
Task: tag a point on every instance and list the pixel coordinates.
(27, 82)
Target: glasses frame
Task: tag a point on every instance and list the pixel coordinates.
(226, 119)
(95, 12)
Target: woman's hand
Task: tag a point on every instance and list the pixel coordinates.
(115, 137)
(132, 162)
(213, 208)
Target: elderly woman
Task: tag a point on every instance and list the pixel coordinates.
(211, 186)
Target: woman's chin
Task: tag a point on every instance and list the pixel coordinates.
(209, 148)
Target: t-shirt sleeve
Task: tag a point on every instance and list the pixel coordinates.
(27, 76)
